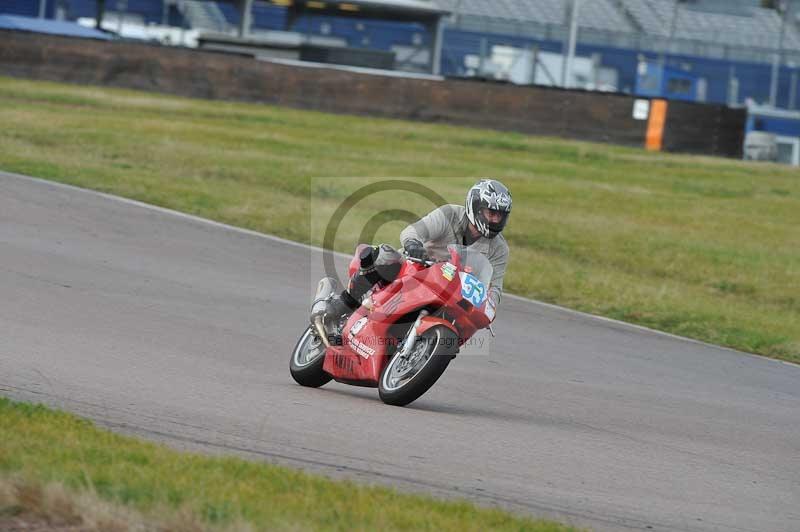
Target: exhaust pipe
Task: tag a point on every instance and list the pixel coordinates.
(327, 288)
(323, 335)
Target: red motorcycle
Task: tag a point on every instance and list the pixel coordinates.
(405, 334)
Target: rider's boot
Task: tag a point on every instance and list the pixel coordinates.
(342, 306)
(379, 264)
(361, 282)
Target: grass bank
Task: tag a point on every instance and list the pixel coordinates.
(700, 247)
(69, 471)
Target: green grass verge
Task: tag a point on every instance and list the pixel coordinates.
(44, 446)
(700, 247)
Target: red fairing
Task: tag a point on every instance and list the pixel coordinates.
(366, 338)
(362, 355)
(430, 321)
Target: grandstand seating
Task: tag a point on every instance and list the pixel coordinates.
(603, 15)
(647, 18)
(722, 22)
(724, 43)
(718, 40)
(543, 11)
(737, 25)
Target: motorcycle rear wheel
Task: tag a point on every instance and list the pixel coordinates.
(306, 367)
(405, 380)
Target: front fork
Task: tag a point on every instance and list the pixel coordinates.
(411, 336)
(423, 323)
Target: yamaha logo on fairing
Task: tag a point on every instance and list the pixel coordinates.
(345, 363)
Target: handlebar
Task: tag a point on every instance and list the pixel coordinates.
(425, 262)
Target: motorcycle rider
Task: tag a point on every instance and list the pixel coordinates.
(478, 224)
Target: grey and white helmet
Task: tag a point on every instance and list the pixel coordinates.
(488, 194)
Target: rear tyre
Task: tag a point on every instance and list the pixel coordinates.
(405, 379)
(307, 360)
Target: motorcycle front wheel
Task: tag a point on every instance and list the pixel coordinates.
(406, 378)
(307, 360)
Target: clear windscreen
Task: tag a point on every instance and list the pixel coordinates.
(473, 262)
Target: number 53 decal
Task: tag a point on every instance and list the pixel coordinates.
(472, 289)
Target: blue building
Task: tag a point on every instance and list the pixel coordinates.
(782, 125)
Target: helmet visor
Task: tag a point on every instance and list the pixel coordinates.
(495, 220)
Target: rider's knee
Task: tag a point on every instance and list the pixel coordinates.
(378, 264)
(388, 262)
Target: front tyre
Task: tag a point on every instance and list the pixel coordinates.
(307, 360)
(405, 379)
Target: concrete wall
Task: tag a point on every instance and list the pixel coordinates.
(705, 129)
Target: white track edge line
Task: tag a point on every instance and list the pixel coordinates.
(250, 232)
(165, 210)
(644, 329)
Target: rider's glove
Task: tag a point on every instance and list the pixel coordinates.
(415, 249)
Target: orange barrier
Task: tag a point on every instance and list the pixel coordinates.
(655, 125)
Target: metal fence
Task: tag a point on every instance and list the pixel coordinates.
(636, 41)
